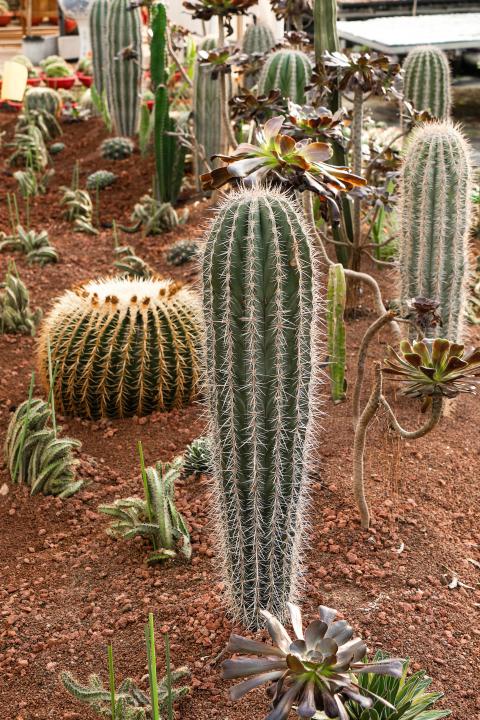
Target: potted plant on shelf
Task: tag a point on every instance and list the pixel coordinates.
(5, 13)
(33, 78)
(56, 73)
(84, 71)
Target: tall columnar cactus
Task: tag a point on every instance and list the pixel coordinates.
(259, 301)
(258, 38)
(123, 347)
(207, 109)
(427, 80)
(288, 71)
(98, 30)
(325, 24)
(435, 213)
(124, 66)
(336, 300)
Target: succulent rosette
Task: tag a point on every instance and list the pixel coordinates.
(312, 673)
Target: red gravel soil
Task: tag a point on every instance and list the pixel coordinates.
(68, 589)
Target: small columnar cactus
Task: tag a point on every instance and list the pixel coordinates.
(182, 252)
(42, 98)
(36, 456)
(260, 300)
(100, 179)
(427, 80)
(123, 347)
(288, 71)
(124, 65)
(117, 148)
(258, 39)
(15, 312)
(435, 213)
(98, 30)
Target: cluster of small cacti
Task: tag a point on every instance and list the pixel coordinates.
(117, 148)
(123, 64)
(130, 265)
(35, 245)
(100, 179)
(154, 517)
(288, 71)
(15, 313)
(147, 361)
(435, 213)
(36, 456)
(261, 321)
(154, 216)
(197, 458)
(427, 80)
(182, 252)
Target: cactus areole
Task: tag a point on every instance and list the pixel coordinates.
(259, 301)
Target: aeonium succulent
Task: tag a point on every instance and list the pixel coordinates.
(434, 368)
(279, 158)
(206, 9)
(314, 672)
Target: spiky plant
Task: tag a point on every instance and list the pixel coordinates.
(260, 305)
(57, 68)
(42, 98)
(314, 673)
(408, 695)
(29, 149)
(154, 517)
(427, 80)
(182, 252)
(30, 183)
(36, 456)
(124, 65)
(98, 30)
(117, 148)
(435, 216)
(100, 179)
(15, 313)
(154, 216)
(43, 120)
(35, 245)
(288, 71)
(130, 265)
(258, 39)
(123, 347)
(207, 109)
(78, 209)
(336, 301)
(197, 458)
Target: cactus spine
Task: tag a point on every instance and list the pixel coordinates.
(427, 80)
(288, 71)
(124, 66)
(123, 347)
(98, 29)
(258, 38)
(259, 300)
(336, 299)
(435, 213)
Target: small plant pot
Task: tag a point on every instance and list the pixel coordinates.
(5, 19)
(34, 81)
(59, 83)
(86, 80)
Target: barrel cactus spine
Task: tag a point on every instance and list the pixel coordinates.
(98, 29)
(427, 80)
(258, 38)
(123, 347)
(124, 66)
(435, 215)
(288, 71)
(260, 302)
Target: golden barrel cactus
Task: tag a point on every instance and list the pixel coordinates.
(122, 347)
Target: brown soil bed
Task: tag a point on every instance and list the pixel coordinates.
(68, 589)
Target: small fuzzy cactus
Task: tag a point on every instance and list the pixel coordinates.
(42, 98)
(182, 252)
(336, 300)
(15, 313)
(117, 148)
(435, 215)
(123, 347)
(288, 71)
(197, 458)
(36, 456)
(260, 300)
(98, 29)
(123, 44)
(427, 80)
(100, 179)
(258, 39)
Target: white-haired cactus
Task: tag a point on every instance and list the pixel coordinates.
(288, 71)
(258, 38)
(124, 66)
(259, 301)
(427, 80)
(98, 30)
(435, 221)
(123, 347)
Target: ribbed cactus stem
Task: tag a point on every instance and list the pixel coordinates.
(427, 80)
(260, 306)
(288, 71)
(98, 30)
(435, 211)
(207, 110)
(258, 39)
(124, 65)
(325, 24)
(336, 300)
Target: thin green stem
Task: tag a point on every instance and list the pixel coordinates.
(152, 667)
(168, 675)
(51, 379)
(111, 678)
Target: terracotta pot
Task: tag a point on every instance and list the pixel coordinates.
(34, 81)
(63, 83)
(5, 19)
(86, 80)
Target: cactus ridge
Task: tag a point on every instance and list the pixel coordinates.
(288, 71)
(261, 310)
(427, 80)
(123, 347)
(258, 38)
(435, 215)
(98, 29)
(42, 98)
